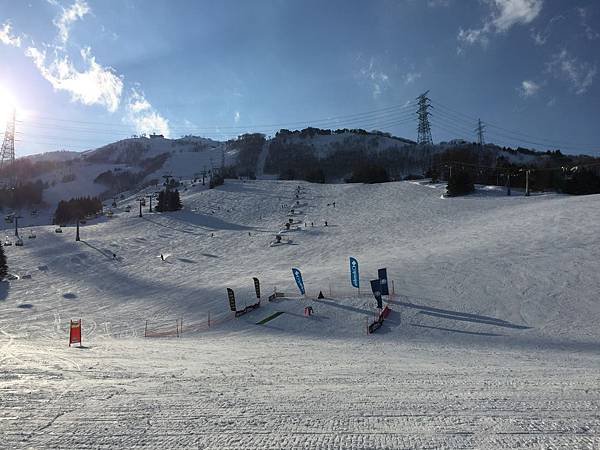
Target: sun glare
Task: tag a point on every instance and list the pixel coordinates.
(8, 104)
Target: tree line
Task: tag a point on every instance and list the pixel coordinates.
(76, 208)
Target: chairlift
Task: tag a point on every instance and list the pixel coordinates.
(58, 230)
(8, 219)
(19, 242)
(32, 235)
(7, 242)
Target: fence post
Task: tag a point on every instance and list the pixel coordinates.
(146, 329)
(181, 326)
(177, 327)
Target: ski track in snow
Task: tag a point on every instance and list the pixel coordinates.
(492, 343)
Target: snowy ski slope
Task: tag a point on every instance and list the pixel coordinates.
(493, 341)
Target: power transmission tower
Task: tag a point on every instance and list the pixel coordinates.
(7, 158)
(479, 130)
(481, 142)
(424, 128)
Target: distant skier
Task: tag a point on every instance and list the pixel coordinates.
(162, 257)
(334, 204)
(114, 256)
(325, 223)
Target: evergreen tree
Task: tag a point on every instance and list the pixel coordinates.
(582, 182)
(460, 183)
(161, 206)
(169, 200)
(174, 201)
(369, 173)
(3, 265)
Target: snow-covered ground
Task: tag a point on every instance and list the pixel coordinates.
(493, 341)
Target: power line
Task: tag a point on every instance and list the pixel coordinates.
(330, 119)
(471, 119)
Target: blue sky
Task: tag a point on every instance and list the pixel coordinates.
(84, 73)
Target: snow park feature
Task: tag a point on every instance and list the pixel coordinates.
(248, 308)
(492, 343)
(374, 326)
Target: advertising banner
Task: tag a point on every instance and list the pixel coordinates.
(354, 275)
(75, 332)
(383, 282)
(257, 287)
(299, 281)
(231, 297)
(375, 287)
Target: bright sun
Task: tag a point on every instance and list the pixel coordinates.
(8, 103)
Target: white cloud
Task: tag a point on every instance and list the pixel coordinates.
(411, 77)
(236, 117)
(513, 12)
(541, 37)
(96, 85)
(528, 88)
(504, 14)
(6, 36)
(580, 75)
(436, 3)
(377, 78)
(474, 36)
(142, 115)
(590, 33)
(69, 16)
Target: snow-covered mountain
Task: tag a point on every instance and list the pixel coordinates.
(131, 164)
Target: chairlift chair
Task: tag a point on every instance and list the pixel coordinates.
(7, 242)
(19, 242)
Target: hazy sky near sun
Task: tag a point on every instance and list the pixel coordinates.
(84, 73)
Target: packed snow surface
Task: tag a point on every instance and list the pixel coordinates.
(493, 340)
